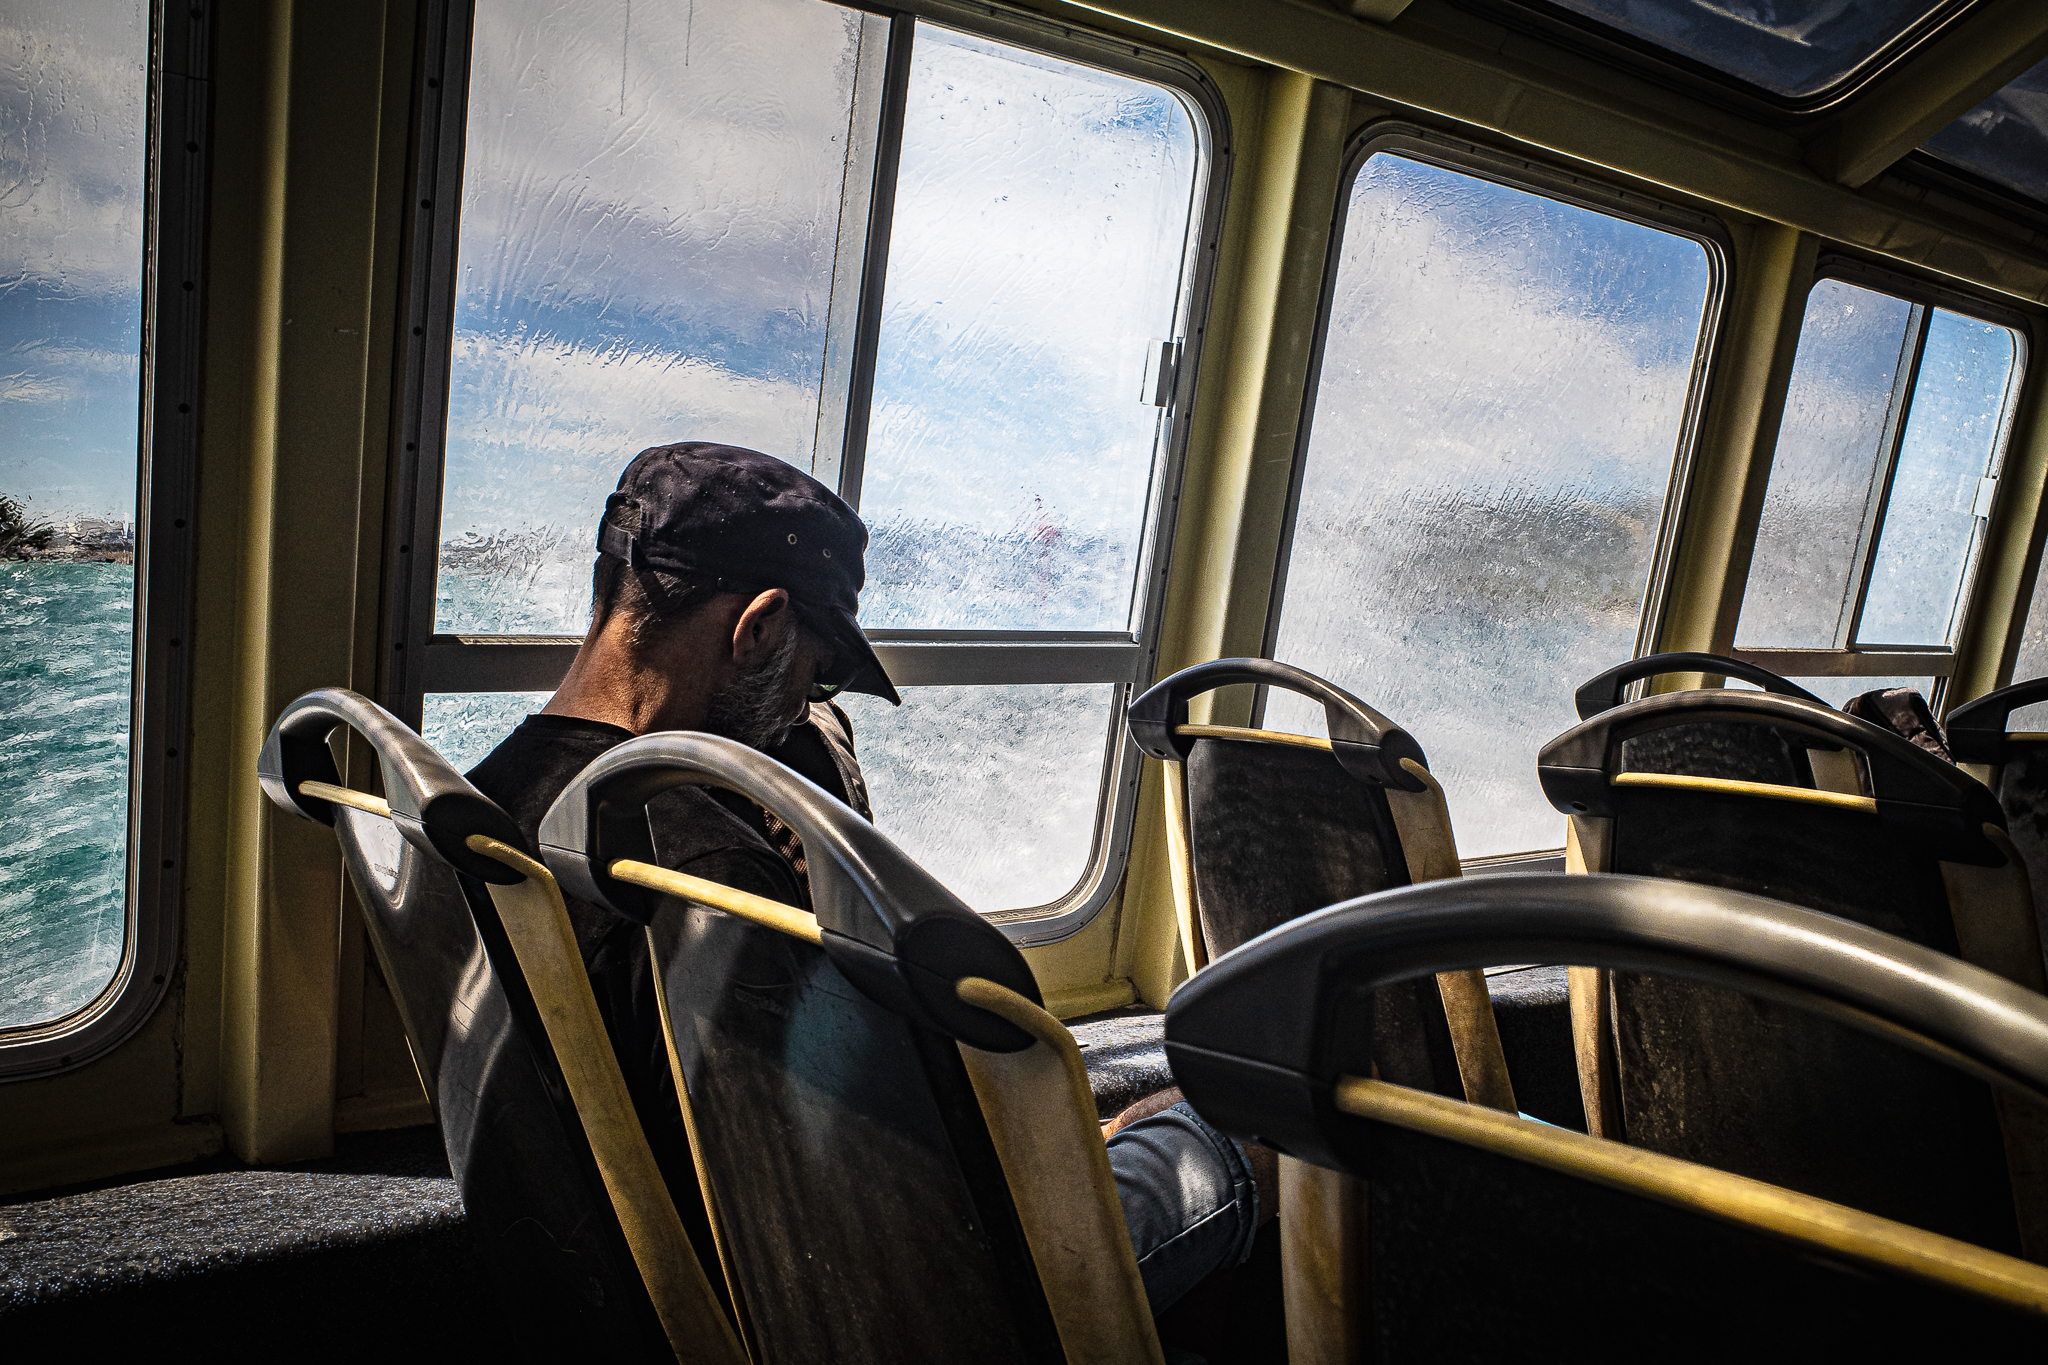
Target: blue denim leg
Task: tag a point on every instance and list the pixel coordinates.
(1188, 1200)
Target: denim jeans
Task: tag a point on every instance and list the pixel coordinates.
(1188, 1200)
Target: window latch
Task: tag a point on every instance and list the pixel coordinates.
(1162, 368)
(1974, 495)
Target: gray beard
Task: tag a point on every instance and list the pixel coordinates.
(750, 707)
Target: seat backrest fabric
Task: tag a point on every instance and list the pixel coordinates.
(1277, 831)
(533, 1198)
(1780, 1095)
(1619, 1276)
(2018, 766)
(867, 1216)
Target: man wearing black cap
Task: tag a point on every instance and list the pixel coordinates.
(724, 600)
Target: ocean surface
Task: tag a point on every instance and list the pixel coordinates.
(65, 651)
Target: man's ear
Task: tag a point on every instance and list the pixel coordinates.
(760, 628)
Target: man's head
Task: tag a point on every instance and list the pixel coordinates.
(723, 598)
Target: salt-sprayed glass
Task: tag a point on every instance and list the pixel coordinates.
(2004, 139)
(1790, 47)
(650, 213)
(1504, 388)
(465, 726)
(993, 790)
(1039, 233)
(73, 150)
(1953, 436)
(1852, 342)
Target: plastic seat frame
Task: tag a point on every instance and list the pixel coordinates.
(504, 1028)
(1261, 1047)
(909, 945)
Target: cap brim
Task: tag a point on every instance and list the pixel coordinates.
(869, 677)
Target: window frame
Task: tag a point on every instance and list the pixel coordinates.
(416, 660)
(1846, 659)
(1551, 182)
(175, 179)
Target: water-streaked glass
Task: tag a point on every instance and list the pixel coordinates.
(466, 726)
(1037, 245)
(1953, 436)
(1504, 388)
(994, 790)
(651, 205)
(73, 152)
(1852, 342)
(2005, 138)
(1790, 47)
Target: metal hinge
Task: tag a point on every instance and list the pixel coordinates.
(1162, 368)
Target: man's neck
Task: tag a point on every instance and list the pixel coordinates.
(637, 690)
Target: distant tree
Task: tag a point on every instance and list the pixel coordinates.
(19, 532)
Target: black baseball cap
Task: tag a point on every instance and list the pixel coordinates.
(751, 520)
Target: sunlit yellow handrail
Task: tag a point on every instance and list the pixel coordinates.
(346, 796)
(759, 909)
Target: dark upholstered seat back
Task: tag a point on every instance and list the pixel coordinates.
(1280, 825)
(1277, 831)
(1486, 1233)
(532, 1194)
(866, 1213)
(1751, 1086)
(2015, 765)
(1730, 751)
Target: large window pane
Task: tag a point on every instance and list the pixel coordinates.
(1790, 47)
(1040, 228)
(1822, 540)
(1931, 519)
(1504, 387)
(993, 789)
(1837, 414)
(650, 209)
(466, 726)
(73, 150)
(2005, 138)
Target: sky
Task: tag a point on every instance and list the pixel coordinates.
(72, 161)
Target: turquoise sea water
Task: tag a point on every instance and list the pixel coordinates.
(65, 664)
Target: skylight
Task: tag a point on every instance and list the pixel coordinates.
(1792, 48)
(2005, 138)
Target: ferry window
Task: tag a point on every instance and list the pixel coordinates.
(1792, 48)
(2004, 139)
(1887, 461)
(73, 111)
(1506, 383)
(944, 294)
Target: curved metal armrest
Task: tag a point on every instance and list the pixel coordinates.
(1913, 789)
(1368, 745)
(1259, 1039)
(433, 806)
(1604, 692)
(1976, 730)
(889, 926)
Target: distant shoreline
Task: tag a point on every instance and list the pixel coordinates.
(75, 555)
